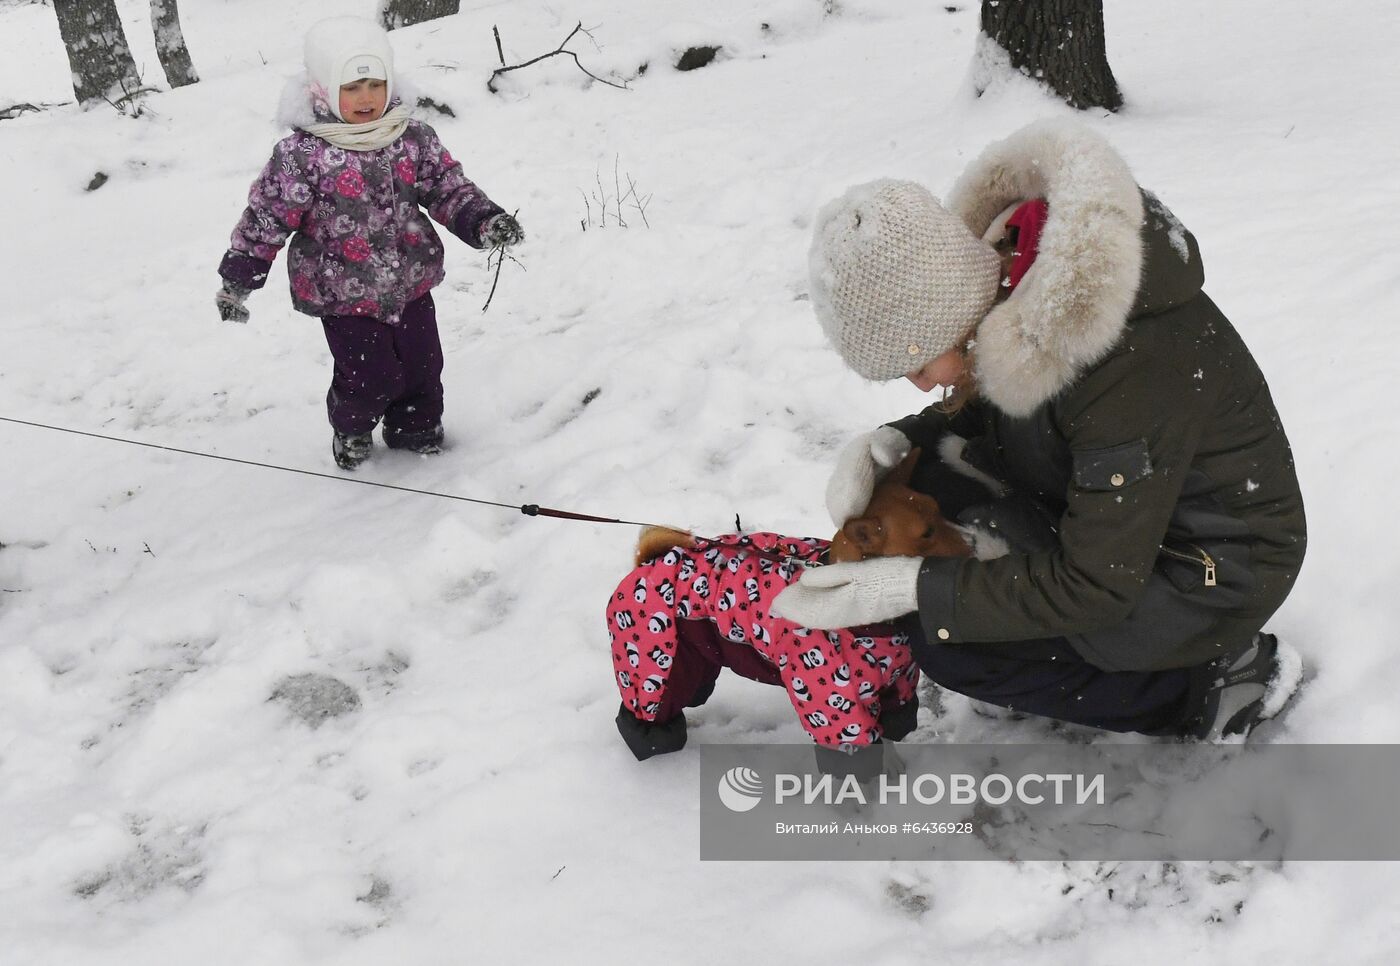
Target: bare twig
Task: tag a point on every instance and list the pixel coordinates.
(499, 53)
(639, 203)
(500, 253)
(617, 193)
(491, 82)
(617, 198)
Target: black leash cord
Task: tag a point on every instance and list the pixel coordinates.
(529, 509)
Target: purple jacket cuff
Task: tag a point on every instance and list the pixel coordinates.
(244, 270)
(469, 221)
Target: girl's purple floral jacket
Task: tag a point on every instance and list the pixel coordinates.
(360, 244)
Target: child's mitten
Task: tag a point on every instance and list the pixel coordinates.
(229, 301)
(503, 230)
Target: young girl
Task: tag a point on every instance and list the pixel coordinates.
(347, 185)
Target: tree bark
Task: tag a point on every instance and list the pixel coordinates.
(1057, 42)
(394, 14)
(98, 54)
(170, 43)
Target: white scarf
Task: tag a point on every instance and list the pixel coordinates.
(369, 136)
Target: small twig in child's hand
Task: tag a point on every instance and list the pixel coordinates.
(499, 262)
(500, 253)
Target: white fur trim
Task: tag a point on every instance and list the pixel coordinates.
(296, 110)
(1073, 304)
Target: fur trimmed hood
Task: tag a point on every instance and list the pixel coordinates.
(1074, 303)
(304, 102)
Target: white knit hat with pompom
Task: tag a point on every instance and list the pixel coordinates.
(896, 279)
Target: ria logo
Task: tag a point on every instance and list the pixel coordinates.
(740, 789)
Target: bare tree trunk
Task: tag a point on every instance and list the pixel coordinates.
(394, 14)
(1057, 42)
(97, 51)
(170, 43)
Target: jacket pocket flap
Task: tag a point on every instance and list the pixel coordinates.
(1112, 467)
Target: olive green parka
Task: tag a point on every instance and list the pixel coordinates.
(1113, 391)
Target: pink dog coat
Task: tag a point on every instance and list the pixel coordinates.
(839, 681)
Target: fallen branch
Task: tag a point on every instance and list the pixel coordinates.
(15, 110)
(561, 49)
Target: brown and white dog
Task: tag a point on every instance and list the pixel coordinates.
(899, 522)
(695, 605)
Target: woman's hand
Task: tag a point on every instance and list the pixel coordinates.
(851, 594)
(861, 464)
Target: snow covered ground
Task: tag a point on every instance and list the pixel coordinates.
(473, 803)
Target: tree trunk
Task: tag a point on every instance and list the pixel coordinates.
(97, 51)
(1057, 42)
(170, 43)
(394, 14)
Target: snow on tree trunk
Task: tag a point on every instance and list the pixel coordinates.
(103, 69)
(170, 43)
(394, 14)
(1059, 43)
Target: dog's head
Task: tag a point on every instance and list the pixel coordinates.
(899, 522)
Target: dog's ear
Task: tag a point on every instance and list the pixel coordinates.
(868, 535)
(901, 473)
(655, 541)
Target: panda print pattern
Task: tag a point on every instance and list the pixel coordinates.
(839, 681)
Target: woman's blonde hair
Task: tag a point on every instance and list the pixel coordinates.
(964, 388)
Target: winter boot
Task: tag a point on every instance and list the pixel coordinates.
(424, 443)
(1250, 687)
(646, 739)
(350, 449)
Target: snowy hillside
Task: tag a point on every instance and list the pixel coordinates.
(162, 800)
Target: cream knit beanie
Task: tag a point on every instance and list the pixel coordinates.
(896, 279)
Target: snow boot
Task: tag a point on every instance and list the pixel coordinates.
(350, 449)
(645, 739)
(424, 443)
(1250, 687)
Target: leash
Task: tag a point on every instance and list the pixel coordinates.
(528, 509)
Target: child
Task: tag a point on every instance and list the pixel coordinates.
(347, 185)
(677, 620)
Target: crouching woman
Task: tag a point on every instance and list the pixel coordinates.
(1092, 377)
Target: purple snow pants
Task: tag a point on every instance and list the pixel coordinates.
(393, 372)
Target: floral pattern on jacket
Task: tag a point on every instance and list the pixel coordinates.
(360, 243)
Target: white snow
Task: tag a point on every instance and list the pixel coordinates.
(477, 804)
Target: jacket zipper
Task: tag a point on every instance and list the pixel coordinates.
(1199, 557)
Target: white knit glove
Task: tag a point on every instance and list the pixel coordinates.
(851, 594)
(861, 464)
